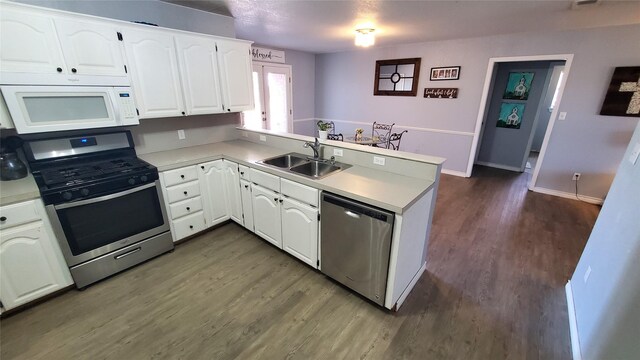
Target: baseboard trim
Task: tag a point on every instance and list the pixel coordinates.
(409, 287)
(498, 166)
(567, 195)
(573, 324)
(454, 173)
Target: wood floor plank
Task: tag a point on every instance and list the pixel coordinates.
(498, 260)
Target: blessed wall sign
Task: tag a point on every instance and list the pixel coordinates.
(441, 93)
(269, 55)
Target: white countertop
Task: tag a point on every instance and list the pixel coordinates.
(386, 190)
(18, 190)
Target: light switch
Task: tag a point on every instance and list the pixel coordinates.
(633, 157)
(562, 116)
(263, 138)
(181, 135)
(337, 152)
(378, 160)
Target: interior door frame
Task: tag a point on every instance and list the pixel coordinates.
(263, 92)
(488, 82)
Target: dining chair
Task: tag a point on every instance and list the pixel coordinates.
(332, 127)
(382, 131)
(394, 140)
(337, 137)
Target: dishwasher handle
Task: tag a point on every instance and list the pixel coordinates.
(356, 210)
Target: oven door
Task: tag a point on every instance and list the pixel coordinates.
(90, 228)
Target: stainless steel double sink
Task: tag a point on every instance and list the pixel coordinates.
(304, 165)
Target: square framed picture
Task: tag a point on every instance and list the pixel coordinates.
(518, 86)
(510, 115)
(445, 73)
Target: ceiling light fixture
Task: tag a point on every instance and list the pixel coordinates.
(365, 37)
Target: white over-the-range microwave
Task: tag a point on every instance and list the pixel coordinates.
(45, 108)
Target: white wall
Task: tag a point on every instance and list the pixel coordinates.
(607, 305)
(151, 11)
(585, 142)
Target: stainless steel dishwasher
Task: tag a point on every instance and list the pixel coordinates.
(355, 245)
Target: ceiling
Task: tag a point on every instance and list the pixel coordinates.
(321, 26)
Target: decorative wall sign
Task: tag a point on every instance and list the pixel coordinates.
(510, 115)
(270, 55)
(397, 77)
(518, 86)
(445, 73)
(441, 93)
(623, 95)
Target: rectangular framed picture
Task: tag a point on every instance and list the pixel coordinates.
(623, 94)
(510, 115)
(518, 86)
(445, 73)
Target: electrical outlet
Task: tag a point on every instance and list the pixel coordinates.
(562, 115)
(587, 274)
(263, 138)
(245, 134)
(576, 176)
(181, 135)
(378, 160)
(337, 152)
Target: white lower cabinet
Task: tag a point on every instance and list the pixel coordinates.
(247, 206)
(300, 230)
(232, 191)
(266, 214)
(31, 263)
(212, 178)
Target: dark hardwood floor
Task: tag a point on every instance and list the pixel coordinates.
(498, 261)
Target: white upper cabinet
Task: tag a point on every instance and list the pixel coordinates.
(212, 180)
(232, 191)
(234, 59)
(91, 48)
(266, 214)
(199, 74)
(154, 72)
(28, 43)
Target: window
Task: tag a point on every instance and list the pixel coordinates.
(272, 94)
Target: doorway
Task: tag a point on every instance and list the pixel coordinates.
(511, 123)
(273, 98)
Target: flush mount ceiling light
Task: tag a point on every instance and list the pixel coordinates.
(365, 37)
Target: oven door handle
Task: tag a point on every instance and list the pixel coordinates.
(104, 198)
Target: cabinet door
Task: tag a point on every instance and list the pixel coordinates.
(300, 231)
(91, 48)
(29, 43)
(29, 265)
(266, 214)
(211, 177)
(234, 59)
(199, 74)
(247, 206)
(154, 73)
(232, 191)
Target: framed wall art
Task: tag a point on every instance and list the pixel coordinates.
(397, 77)
(510, 115)
(623, 95)
(445, 73)
(518, 86)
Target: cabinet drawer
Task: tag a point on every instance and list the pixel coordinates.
(186, 207)
(299, 192)
(189, 225)
(182, 192)
(245, 172)
(20, 213)
(263, 179)
(180, 176)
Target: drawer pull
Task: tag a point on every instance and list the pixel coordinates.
(202, 167)
(182, 176)
(190, 226)
(185, 193)
(241, 172)
(281, 201)
(246, 186)
(275, 199)
(188, 208)
(3, 218)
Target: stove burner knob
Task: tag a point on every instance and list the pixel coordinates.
(143, 178)
(67, 195)
(132, 181)
(84, 192)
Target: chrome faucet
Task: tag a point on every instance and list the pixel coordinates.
(316, 148)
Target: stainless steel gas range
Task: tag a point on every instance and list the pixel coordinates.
(104, 203)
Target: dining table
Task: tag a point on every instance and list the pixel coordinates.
(365, 140)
